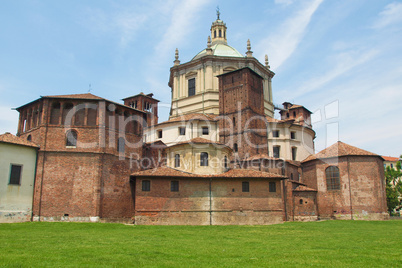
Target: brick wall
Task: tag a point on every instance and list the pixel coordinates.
(195, 204)
(362, 191)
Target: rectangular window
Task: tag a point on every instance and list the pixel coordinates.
(293, 135)
(277, 150)
(160, 134)
(294, 151)
(15, 174)
(245, 186)
(174, 186)
(182, 131)
(272, 187)
(177, 160)
(275, 133)
(204, 159)
(146, 186)
(205, 130)
(191, 87)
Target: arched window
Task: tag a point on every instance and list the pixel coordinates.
(332, 175)
(71, 138)
(177, 160)
(121, 143)
(220, 33)
(67, 118)
(225, 162)
(55, 113)
(301, 201)
(204, 159)
(215, 34)
(29, 138)
(235, 148)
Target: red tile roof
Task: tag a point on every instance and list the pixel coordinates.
(390, 158)
(339, 149)
(233, 173)
(87, 96)
(193, 116)
(261, 156)
(199, 140)
(150, 96)
(302, 188)
(10, 138)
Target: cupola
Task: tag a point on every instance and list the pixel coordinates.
(218, 30)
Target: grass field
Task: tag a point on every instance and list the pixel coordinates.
(329, 243)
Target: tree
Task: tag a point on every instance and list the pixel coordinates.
(393, 186)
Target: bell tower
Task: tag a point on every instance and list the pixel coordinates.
(241, 108)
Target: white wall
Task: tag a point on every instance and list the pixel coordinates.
(16, 200)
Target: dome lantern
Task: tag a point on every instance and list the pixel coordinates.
(218, 30)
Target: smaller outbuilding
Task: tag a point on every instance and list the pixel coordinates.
(17, 178)
(349, 181)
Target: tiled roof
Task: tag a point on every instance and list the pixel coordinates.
(10, 138)
(233, 173)
(390, 158)
(339, 149)
(295, 163)
(294, 106)
(261, 156)
(193, 116)
(302, 188)
(87, 96)
(249, 173)
(271, 119)
(297, 182)
(199, 140)
(155, 142)
(150, 95)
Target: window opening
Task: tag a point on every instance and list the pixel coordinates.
(332, 176)
(204, 159)
(245, 186)
(277, 151)
(71, 138)
(191, 87)
(15, 174)
(272, 187)
(177, 160)
(174, 186)
(146, 186)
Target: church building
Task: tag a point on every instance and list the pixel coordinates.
(221, 158)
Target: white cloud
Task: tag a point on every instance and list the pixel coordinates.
(8, 120)
(343, 62)
(182, 19)
(391, 14)
(284, 2)
(281, 45)
(124, 23)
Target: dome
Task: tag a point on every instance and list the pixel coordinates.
(222, 50)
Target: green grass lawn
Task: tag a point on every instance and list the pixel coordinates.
(329, 243)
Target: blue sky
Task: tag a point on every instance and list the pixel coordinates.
(340, 59)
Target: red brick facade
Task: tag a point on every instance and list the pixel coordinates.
(241, 108)
(86, 180)
(205, 201)
(94, 176)
(361, 193)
